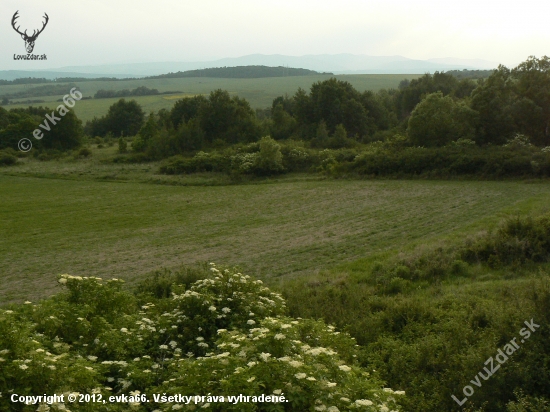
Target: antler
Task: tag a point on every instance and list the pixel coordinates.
(13, 21)
(34, 34)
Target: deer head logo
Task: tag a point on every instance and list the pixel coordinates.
(29, 40)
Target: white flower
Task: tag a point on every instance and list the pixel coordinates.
(277, 391)
(251, 364)
(226, 310)
(23, 367)
(331, 384)
(363, 402)
(279, 336)
(399, 392)
(300, 375)
(384, 408)
(251, 322)
(320, 408)
(265, 356)
(124, 330)
(311, 378)
(200, 338)
(251, 379)
(333, 409)
(212, 308)
(295, 363)
(62, 281)
(221, 331)
(92, 358)
(163, 347)
(344, 368)
(173, 343)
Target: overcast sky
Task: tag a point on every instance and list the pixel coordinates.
(86, 32)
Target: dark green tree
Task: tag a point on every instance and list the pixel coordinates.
(438, 120)
(493, 99)
(189, 137)
(229, 119)
(532, 85)
(16, 126)
(124, 118)
(186, 109)
(65, 135)
(282, 124)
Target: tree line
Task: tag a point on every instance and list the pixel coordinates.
(431, 111)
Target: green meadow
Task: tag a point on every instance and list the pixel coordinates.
(59, 217)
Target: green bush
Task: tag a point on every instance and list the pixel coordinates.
(270, 158)
(7, 159)
(84, 152)
(516, 242)
(453, 160)
(122, 145)
(224, 335)
(201, 162)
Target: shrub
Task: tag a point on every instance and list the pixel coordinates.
(122, 145)
(84, 152)
(517, 241)
(201, 162)
(270, 158)
(224, 335)
(7, 159)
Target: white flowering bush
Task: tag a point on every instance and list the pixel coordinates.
(519, 140)
(227, 335)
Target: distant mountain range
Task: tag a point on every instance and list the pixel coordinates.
(335, 63)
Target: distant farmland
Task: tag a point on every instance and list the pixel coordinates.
(259, 92)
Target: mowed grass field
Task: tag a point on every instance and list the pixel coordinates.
(259, 92)
(271, 230)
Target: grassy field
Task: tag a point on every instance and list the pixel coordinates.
(74, 223)
(259, 92)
